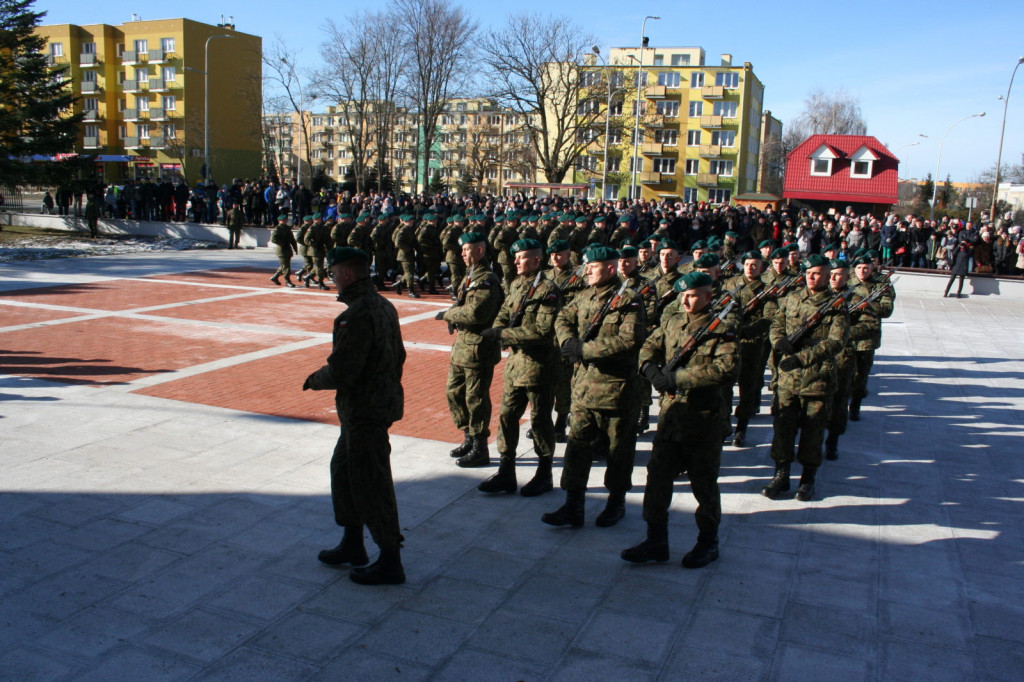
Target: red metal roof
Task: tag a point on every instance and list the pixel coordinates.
(880, 188)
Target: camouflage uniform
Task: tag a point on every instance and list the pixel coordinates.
(383, 248)
(305, 252)
(365, 370)
(753, 347)
(453, 252)
(864, 327)
(666, 294)
(501, 239)
(285, 244)
(359, 237)
(569, 284)
(341, 229)
(405, 244)
(318, 241)
(428, 243)
(865, 354)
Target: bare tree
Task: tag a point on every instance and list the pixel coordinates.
(824, 113)
(534, 67)
(437, 36)
(280, 73)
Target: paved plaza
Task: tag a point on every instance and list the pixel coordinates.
(164, 492)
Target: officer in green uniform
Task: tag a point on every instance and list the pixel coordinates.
(359, 237)
(383, 249)
(405, 245)
(526, 326)
(569, 281)
(305, 252)
(452, 251)
(342, 228)
(473, 357)
(428, 242)
(600, 331)
(285, 245)
(665, 279)
(364, 370)
(620, 232)
(560, 230)
(505, 232)
(578, 238)
(318, 240)
(864, 269)
(807, 378)
(629, 272)
(698, 249)
(683, 443)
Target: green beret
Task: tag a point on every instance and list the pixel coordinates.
(860, 252)
(407, 217)
(664, 221)
(838, 264)
(791, 247)
(753, 255)
(499, 218)
(872, 254)
(471, 238)
(668, 244)
(830, 247)
(511, 215)
(778, 253)
(628, 252)
(533, 218)
(460, 218)
(708, 260)
(449, 220)
(567, 218)
(863, 260)
(340, 254)
(714, 243)
(307, 218)
(317, 216)
(599, 219)
(345, 216)
(600, 254)
(769, 243)
(479, 218)
(732, 235)
(582, 220)
(628, 241)
(693, 280)
(524, 245)
(623, 219)
(426, 216)
(699, 244)
(282, 218)
(363, 216)
(557, 246)
(815, 260)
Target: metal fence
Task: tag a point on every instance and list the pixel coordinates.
(11, 199)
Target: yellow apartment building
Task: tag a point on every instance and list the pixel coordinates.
(141, 87)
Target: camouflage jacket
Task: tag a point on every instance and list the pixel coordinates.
(699, 383)
(318, 239)
(283, 238)
(501, 240)
(663, 287)
(381, 236)
(365, 364)
(428, 240)
(302, 237)
(865, 325)
(479, 300)
(405, 243)
(532, 351)
(563, 279)
(359, 237)
(606, 378)
(817, 350)
(755, 325)
(885, 305)
(340, 232)
(450, 242)
(638, 283)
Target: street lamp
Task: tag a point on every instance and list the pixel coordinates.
(935, 180)
(206, 107)
(639, 99)
(999, 158)
(607, 124)
(302, 115)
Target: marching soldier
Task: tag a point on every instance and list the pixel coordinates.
(665, 279)
(285, 245)
(452, 251)
(505, 232)
(318, 241)
(428, 242)
(342, 228)
(629, 272)
(305, 252)
(383, 249)
(405, 245)
(569, 281)
(864, 269)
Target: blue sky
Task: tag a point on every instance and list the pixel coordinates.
(916, 66)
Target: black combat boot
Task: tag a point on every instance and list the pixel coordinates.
(653, 548)
(614, 510)
(275, 280)
(289, 282)
(412, 292)
(779, 482)
(832, 446)
(855, 410)
(739, 438)
(806, 490)
(703, 553)
(466, 446)
(570, 513)
(541, 481)
(323, 287)
(379, 282)
(351, 551)
(504, 481)
(386, 570)
(644, 421)
(432, 289)
(560, 422)
(307, 280)
(398, 287)
(477, 455)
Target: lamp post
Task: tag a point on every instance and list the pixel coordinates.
(639, 99)
(1002, 132)
(938, 162)
(302, 116)
(206, 106)
(607, 125)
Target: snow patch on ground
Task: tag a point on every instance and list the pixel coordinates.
(45, 247)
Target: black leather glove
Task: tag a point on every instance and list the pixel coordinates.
(494, 333)
(663, 382)
(572, 350)
(305, 384)
(783, 346)
(440, 315)
(650, 370)
(789, 363)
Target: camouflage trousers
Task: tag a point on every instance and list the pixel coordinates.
(563, 386)
(408, 277)
(284, 265)
(307, 266)
(469, 398)
(319, 255)
(753, 357)
(585, 428)
(362, 490)
(864, 360)
(839, 414)
(456, 271)
(807, 416)
(513, 405)
(698, 455)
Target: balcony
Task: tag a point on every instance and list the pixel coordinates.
(652, 148)
(650, 178)
(131, 86)
(655, 91)
(710, 121)
(90, 116)
(157, 85)
(131, 114)
(157, 56)
(654, 121)
(710, 151)
(129, 57)
(157, 114)
(157, 142)
(91, 143)
(132, 143)
(90, 87)
(712, 92)
(707, 180)
(86, 60)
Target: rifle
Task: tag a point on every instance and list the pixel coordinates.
(517, 316)
(461, 300)
(686, 351)
(726, 298)
(764, 295)
(875, 294)
(728, 268)
(573, 280)
(837, 302)
(791, 282)
(595, 322)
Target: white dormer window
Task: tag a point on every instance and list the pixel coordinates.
(862, 163)
(821, 161)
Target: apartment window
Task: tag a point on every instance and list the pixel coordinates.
(659, 60)
(692, 138)
(643, 79)
(92, 130)
(494, 120)
(697, 79)
(616, 109)
(638, 163)
(122, 132)
(461, 106)
(90, 104)
(317, 154)
(88, 76)
(491, 173)
(168, 73)
(861, 169)
(692, 166)
(665, 165)
(696, 108)
(618, 78)
(169, 131)
(727, 79)
(590, 106)
(120, 49)
(615, 136)
(680, 60)
(690, 195)
(821, 166)
(170, 102)
(143, 130)
(142, 103)
(643, 108)
(142, 46)
(719, 196)
(590, 79)
(668, 108)
(330, 154)
(447, 120)
(121, 105)
(318, 120)
(587, 163)
(89, 48)
(721, 167)
(462, 137)
(725, 109)
(56, 50)
(142, 75)
(667, 136)
(726, 138)
(462, 119)
(670, 79)
(167, 44)
(614, 162)
(583, 136)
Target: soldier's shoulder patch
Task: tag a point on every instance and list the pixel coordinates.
(729, 336)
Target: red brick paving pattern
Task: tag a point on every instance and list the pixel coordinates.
(120, 294)
(11, 316)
